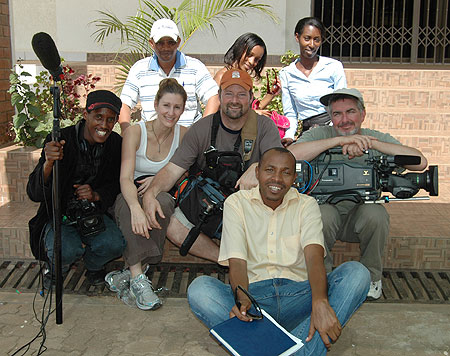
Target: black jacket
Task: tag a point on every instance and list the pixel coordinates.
(106, 183)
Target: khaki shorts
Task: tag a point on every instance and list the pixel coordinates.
(182, 218)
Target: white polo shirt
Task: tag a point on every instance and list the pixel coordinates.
(144, 76)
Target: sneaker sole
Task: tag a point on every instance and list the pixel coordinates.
(146, 307)
(372, 298)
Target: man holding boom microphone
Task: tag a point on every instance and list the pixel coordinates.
(367, 224)
(89, 154)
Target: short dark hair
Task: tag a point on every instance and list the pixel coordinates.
(171, 86)
(280, 150)
(310, 21)
(337, 97)
(245, 44)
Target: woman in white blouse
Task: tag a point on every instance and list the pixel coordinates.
(308, 78)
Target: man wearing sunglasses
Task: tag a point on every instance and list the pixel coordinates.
(273, 243)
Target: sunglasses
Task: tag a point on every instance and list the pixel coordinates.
(255, 311)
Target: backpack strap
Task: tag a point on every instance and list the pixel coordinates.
(215, 129)
(249, 133)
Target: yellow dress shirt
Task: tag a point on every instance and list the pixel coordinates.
(271, 241)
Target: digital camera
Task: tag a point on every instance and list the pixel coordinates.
(89, 221)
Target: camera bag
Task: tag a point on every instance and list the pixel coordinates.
(201, 201)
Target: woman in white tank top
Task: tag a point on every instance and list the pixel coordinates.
(146, 148)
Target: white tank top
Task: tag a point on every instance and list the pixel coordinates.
(144, 166)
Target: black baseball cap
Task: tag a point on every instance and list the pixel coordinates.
(103, 99)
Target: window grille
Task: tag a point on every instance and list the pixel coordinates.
(386, 31)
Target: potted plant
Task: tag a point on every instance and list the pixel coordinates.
(34, 103)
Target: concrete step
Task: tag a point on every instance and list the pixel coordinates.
(419, 237)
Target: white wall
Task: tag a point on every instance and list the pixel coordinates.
(68, 22)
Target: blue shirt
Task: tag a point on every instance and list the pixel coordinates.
(144, 76)
(301, 94)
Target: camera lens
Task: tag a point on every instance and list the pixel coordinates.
(427, 180)
(90, 222)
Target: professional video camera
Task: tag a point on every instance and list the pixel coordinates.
(329, 178)
(88, 219)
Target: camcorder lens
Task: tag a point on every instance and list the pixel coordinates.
(427, 180)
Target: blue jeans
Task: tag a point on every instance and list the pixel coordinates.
(288, 302)
(98, 250)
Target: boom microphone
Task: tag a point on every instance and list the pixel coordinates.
(46, 51)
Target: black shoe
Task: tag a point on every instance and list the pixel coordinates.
(49, 280)
(96, 278)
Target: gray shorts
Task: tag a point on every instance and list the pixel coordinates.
(182, 218)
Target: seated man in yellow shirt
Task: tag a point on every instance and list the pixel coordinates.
(272, 242)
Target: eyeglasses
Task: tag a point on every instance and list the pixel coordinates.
(255, 311)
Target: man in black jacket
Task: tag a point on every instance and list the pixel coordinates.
(89, 154)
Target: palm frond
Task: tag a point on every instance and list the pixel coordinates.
(125, 61)
(107, 25)
(201, 14)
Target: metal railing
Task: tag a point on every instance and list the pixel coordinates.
(386, 31)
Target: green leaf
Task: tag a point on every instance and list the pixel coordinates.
(15, 98)
(19, 120)
(39, 143)
(33, 110)
(30, 96)
(33, 123)
(14, 78)
(43, 127)
(20, 107)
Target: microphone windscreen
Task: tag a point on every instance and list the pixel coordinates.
(405, 160)
(45, 49)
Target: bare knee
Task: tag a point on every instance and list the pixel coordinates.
(176, 231)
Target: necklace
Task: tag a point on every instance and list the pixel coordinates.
(165, 138)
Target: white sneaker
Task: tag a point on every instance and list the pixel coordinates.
(141, 288)
(117, 281)
(374, 290)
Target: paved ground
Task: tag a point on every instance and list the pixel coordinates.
(103, 325)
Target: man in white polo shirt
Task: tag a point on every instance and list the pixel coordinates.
(167, 62)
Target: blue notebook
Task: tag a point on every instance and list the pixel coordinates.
(257, 338)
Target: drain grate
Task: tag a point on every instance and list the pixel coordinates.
(399, 286)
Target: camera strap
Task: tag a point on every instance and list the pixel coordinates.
(248, 133)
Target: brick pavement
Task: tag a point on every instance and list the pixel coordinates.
(100, 326)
